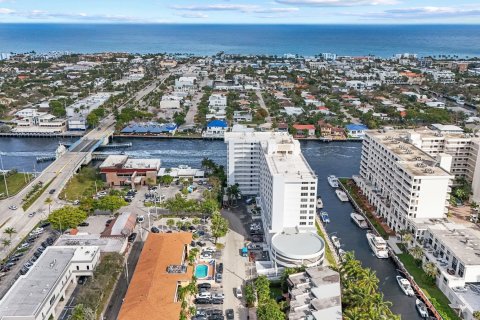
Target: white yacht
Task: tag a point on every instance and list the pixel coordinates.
(341, 195)
(405, 286)
(422, 308)
(336, 242)
(359, 220)
(333, 181)
(378, 246)
(319, 203)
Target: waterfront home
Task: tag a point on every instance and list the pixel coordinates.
(304, 130)
(215, 129)
(356, 130)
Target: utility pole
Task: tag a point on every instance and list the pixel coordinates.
(4, 175)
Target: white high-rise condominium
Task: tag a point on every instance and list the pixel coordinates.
(271, 166)
(401, 181)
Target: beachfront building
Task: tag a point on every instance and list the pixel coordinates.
(77, 112)
(121, 170)
(161, 270)
(401, 181)
(271, 166)
(35, 295)
(315, 294)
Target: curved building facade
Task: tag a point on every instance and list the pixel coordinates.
(291, 248)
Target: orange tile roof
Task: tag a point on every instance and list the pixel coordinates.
(304, 126)
(151, 293)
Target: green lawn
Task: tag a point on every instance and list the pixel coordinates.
(328, 252)
(434, 294)
(82, 185)
(15, 183)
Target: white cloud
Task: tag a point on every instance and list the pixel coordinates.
(235, 7)
(418, 12)
(337, 3)
(197, 15)
(6, 11)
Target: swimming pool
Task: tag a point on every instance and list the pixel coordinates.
(201, 271)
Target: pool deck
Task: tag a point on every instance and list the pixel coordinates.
(211, 269)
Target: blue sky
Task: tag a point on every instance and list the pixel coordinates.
(242, 11)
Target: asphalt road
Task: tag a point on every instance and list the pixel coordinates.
(57, 174)
(120, 291)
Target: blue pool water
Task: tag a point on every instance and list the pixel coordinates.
(201, 271)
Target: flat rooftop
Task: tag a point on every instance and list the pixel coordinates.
(109, 244)
(463, 242)
(410, 158)
(297, 245)
(152, 291)
(28, 294)
(125, 162)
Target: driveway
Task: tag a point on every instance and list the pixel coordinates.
(234, 265)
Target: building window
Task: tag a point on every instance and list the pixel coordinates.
(461, 270)
(303, 218)
(304, 188)
(304, 194)
(78, 267)
(303, 223)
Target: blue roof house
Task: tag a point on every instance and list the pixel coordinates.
(356, 130)
(216, 129)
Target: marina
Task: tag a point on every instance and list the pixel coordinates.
(338, 158)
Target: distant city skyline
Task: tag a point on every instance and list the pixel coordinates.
(242, 11)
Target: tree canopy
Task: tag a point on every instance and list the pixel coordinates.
(67, 217)
(219, 226)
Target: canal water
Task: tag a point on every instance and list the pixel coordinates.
(341, 159)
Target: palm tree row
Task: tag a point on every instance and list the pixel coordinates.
(360, 297)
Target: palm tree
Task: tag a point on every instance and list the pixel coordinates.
(368, 280)
(407, 238)
(6, 243)
(10, 231)
(430, 270)
(416, 252)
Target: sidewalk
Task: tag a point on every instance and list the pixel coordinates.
(392, 242)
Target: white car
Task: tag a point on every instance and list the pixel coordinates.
(102, 194)
(238, 292)
(218, 296)
(204, 294)
(206, 255)
(209, 250)
(13, 208)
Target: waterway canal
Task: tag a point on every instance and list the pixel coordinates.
(341, 159)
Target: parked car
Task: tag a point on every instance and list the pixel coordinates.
(44, 224)
(229, 314)
(220, 267)
(31, 214)
(155, 229)
(132, 237)
(218, 278)
(76, 202)
(238, 292)
(217, 301)
(204, 294)
(218, 295)
(17, 255)
(140, 219)
(202, 301)
(52, 191)
(13, 259)
(37, 254)
(12, 207)
(84, 224)
(205, 285)
(201, 244)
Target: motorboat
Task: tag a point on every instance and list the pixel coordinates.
(405, 286)
(324, 216)
(333, 181)
(422, 308)
(341, 195)
(336, 242)
(319, 203)
(378, 246)
(359, 220)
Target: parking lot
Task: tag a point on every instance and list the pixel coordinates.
(21, 260)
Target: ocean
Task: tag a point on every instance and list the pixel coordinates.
(200, 39)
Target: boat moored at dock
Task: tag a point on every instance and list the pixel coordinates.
(405, 286)
(359, 220)
(378, 246)
(332, 181)
(341, 195)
